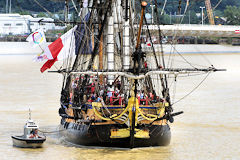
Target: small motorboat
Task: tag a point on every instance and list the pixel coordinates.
(31, 137)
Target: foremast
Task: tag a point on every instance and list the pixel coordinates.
(137, 57)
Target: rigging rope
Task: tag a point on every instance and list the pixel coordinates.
(202, 54)
(164, 82)
(47, 10)
(174, 88)
(217, 5)
(185, 10)
(165, 2)
(193, 89)
(75, 7)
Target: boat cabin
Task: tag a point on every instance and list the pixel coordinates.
(30, 129)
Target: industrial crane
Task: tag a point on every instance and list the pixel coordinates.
(208, 7)
(209, 12)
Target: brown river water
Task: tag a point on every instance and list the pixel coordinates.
(208, 129)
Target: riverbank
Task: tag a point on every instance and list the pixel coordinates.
(24, 48)
(22, 38)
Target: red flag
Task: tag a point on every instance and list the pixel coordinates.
(55, 47)
(237, 31)
(48, 64)
(59, 49)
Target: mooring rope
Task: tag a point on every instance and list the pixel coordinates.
(49, 132)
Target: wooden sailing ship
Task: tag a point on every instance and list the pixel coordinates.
(113, 93)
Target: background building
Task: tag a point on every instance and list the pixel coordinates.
(16, 24)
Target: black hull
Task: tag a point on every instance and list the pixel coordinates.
(99, 135)
(28, 140)
(21, 141)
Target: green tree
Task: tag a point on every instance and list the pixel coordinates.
(24, 12)
(225, 3)
(194, 18)
(218, 13)
(232, 13)
(41, 14)
(164, 19)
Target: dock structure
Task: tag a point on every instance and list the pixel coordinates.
(197, 30)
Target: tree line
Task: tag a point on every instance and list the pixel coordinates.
(173, 12)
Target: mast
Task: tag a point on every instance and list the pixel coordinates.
(66, 11)
(164, 83)
(100, 58)
(144, 4)
(137, 57)
(96, 45)
(126, 40)
(110, 50)
(138, 54)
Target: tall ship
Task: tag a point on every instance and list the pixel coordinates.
(114, 93)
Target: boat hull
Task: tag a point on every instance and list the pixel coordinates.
(20, 141)
(99, 135)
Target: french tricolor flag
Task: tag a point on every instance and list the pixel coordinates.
(60, 49)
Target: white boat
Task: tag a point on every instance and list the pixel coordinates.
(30, 138)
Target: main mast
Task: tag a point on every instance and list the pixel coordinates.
(110, 50)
